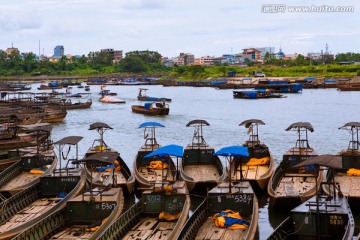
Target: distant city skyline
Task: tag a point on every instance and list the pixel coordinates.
(174, 26)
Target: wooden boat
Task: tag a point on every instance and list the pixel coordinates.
(146, 175)
(107, 99)
(290, 186)
(27, 172)
(256, 94)
(321, 217)
(143, 97)
(226, 197)
(104, 91)
(113, 163)
(33, 134)
(154, 108)
(42, 199)
(347, 175)
(84, 217)
(259, 166)
(14, 155)
(200, 168)
(160, 213)
(349, 87)
(87, 88)
(70, 104)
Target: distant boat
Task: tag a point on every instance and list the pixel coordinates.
(108, 99)
(349, 87)
(143, 97)
(256, 94)
(87, 88)
(104, 91)
(155, 108)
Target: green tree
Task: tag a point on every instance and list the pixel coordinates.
(131, 64)
(147, 56)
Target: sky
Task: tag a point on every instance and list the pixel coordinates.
(200, 27)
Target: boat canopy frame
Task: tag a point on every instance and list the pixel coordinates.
(353, 128)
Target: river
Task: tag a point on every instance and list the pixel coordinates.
(325, 109)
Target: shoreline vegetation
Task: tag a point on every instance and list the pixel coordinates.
(138, 64)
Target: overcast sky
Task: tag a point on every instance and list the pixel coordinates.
(201, 27)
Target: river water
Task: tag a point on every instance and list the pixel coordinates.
(325, 109)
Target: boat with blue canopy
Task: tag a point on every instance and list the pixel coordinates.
(152, 108)
(163, 208)
(230, 210)
(256, 94)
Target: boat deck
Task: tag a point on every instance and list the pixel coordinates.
(209, 231)
(349, 185)
(150, 229)
(252, 172)
(73, 233)
(20, 180)
(202, 172)
(33, 210)
(155, 176)
(295, 184)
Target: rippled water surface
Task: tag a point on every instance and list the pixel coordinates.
(325, 109)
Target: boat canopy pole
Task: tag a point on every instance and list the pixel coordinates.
(150, 140)
(198, 138)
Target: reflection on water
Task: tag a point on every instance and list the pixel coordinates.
(326, 109)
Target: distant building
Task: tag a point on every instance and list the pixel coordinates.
(204, 61)
(264, 50)
(168, 62)
(280, 54)
(314, 56)
(11, 50)
(292, 56)
(59, 51)
(117, 54)
(230, 59)
(252, 54)
(186, 58)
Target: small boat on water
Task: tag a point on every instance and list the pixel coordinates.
(101, 171)
(147, 171)
(27, 171)
(87, 88)
(160, 213)
(259, 166)
(290, 186)
(108, 99)
(154, 108)
(256, 94)
(104, 91)
(347, 175)
(349, 87)
(323, 216)
(200, 168)
(230, 210)
(42, 199)
(143, 97)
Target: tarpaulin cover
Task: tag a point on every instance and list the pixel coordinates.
(169, 150)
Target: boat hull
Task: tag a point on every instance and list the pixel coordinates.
(154, 112)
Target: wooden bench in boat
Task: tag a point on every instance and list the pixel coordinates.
(350, 185)
(294, 184)
(252, 172)
(202, 172)
(33, 210)
(154, 175)
(150, 229)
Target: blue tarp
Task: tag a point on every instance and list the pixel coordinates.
(151, 124)
(169, 150)
(309, 79)
(277, 82)
(147, 105)
(233, 151)
(330, 80)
